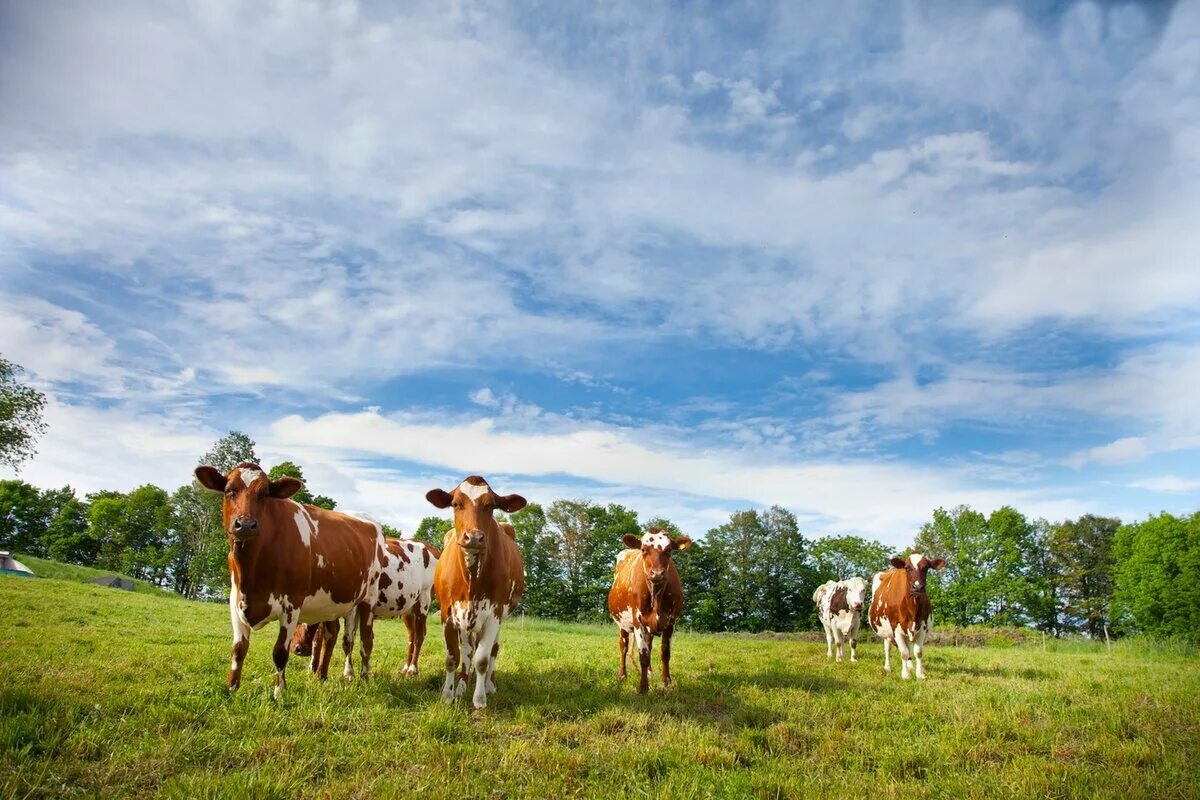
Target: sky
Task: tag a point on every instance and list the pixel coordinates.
(860, 260)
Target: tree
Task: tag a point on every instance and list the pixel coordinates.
(135, 533)
(1156, 572)
(432, 530)
(23, 518)
(961, 537)
(230, 450)
(201, 567)
(587, 538)
(1009, 551)
(836, 558)
(1044, 606)
(741, 584)
(788, 580)
(68, 537)
(20, 416)
(1083, 548)
(543, 589)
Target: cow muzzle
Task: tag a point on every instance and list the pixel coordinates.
(244, 527)
(658, 578)
(472, 542)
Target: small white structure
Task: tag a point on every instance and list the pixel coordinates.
(10, 565)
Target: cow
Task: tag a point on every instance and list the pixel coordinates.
(839, 606)
(646, 599)
(479, 580)
(405, 590)
(901, 611)
(316, 640)
(293, 563)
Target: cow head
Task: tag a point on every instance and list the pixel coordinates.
(246, 489)
(856, 593)
(656, 546)
(915, 567)
(474, 502)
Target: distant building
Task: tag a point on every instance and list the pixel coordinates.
(11, 566)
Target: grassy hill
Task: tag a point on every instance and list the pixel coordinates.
(45, 568)
(122, 694)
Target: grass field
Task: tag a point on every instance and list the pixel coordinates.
(122, 694)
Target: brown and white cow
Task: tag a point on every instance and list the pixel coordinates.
(839, 607)
(901, 611)
(293, 563)
(316, 640)
(646, 599)
(479, 580)
(405, 591)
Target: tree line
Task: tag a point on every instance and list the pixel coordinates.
(756, 572)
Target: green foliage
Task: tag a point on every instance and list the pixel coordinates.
(20, 416)
(432, 530)
(836, 558)
(1157, 574)
(119, 694)
(230, 450)
(1083, 551)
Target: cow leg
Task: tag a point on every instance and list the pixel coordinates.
(241, 642)
(643, 639)
(623, 648)
(482, 660)
(409, 665)
(466, 645)
(328, 635)
(887, 655)
(918, 648)
(837, 640)
(491, 676)
(287, 626)
(348, 643)
(366, 627)
(664, 652)
(453, 658)
(828, 640)
(906, 663)
(854, 646)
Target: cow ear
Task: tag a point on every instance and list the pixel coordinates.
(681, 542)
(511, 503)
(439, 497)
(898, 562)
(210, 478)
(285, 487)
(632, 541)
(938, 563)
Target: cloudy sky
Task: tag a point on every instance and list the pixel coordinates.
(860, 263)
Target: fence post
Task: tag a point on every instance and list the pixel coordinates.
(1107, 641)
(1043, 641)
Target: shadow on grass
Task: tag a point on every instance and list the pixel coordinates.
(1028, 673)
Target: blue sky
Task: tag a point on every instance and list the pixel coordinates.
(858, 262)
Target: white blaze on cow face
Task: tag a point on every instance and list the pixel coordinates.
(474, 490)
(249, 476)
(657, 540)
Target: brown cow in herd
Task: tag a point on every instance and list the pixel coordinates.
(293, 563)
(646, 599)
(479, 580)
(901, 611)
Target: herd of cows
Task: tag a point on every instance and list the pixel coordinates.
(313, 569)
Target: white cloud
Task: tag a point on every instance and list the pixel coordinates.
(1169, 484)
(1130, 448)
(888, 500)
